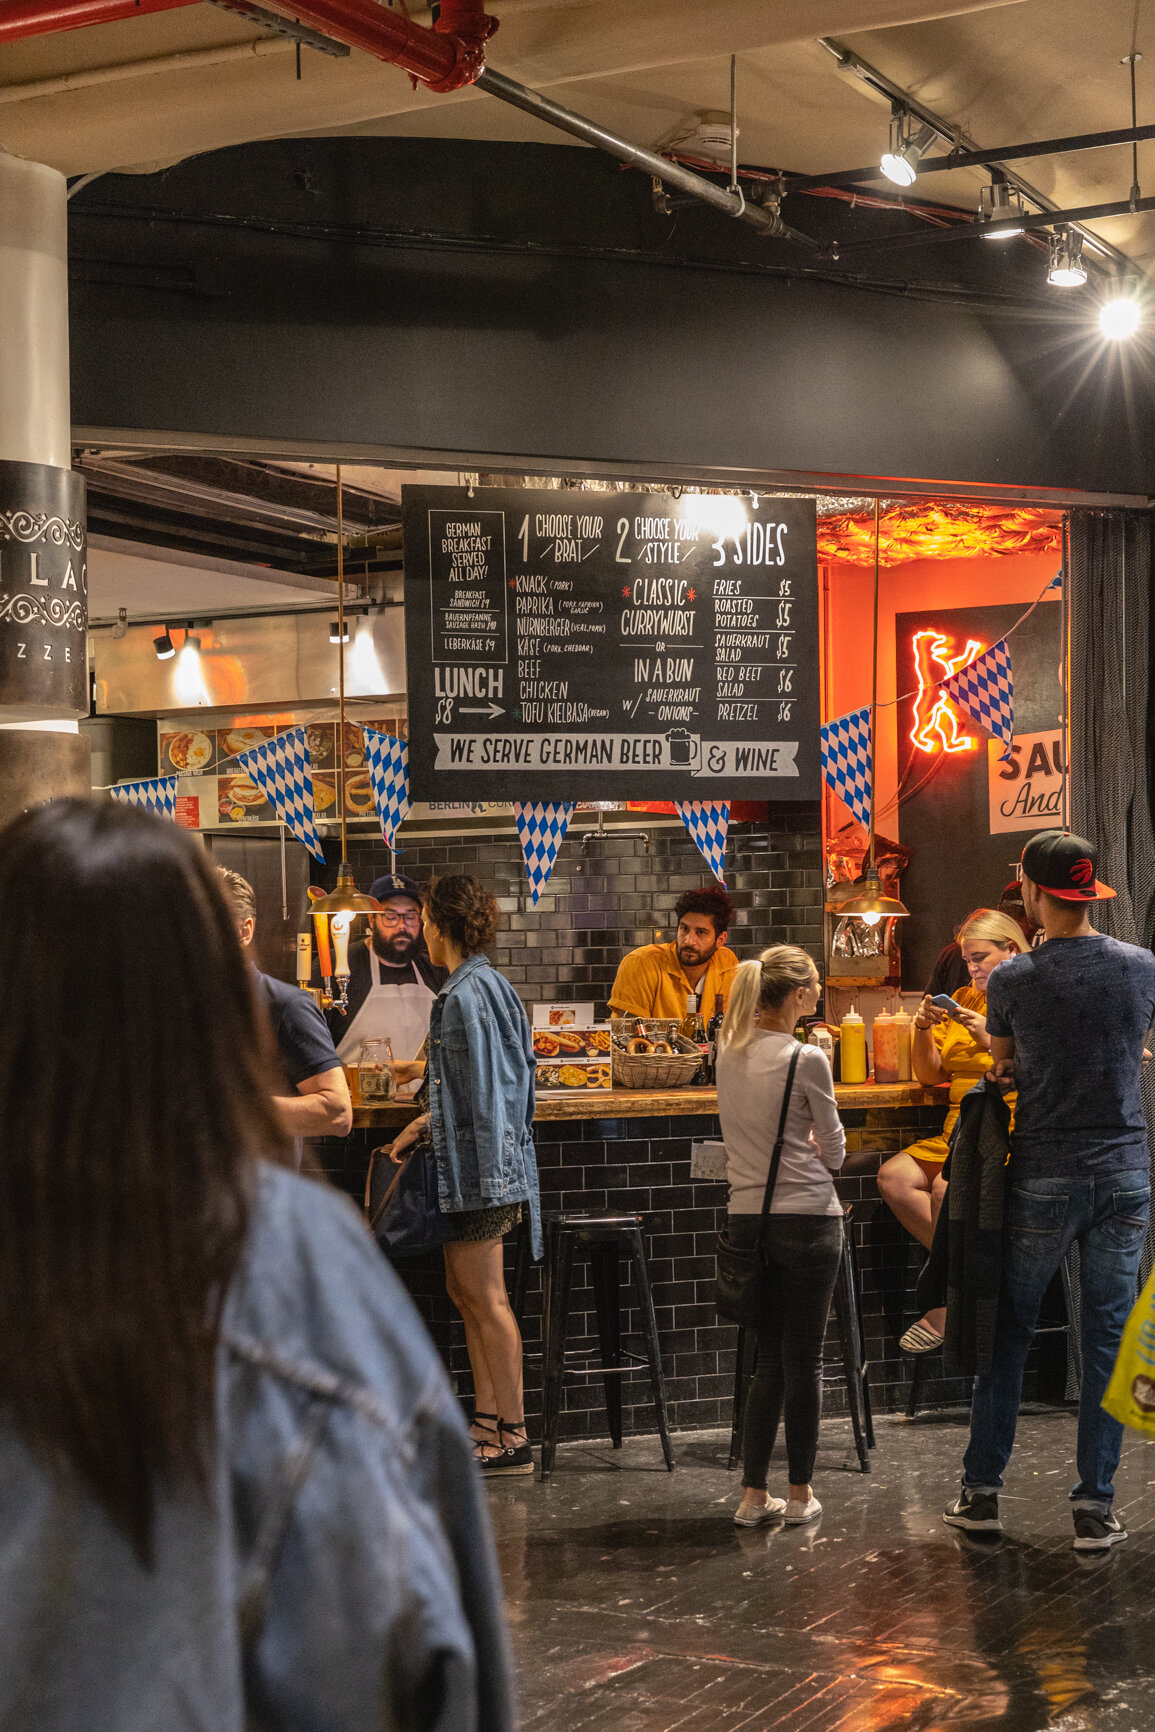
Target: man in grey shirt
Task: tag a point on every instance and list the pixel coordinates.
(1067, 1022)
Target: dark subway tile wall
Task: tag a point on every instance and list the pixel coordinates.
(610, 893)
(605, 897)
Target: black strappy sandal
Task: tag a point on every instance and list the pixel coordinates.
(510, 1458)
(482, 1420)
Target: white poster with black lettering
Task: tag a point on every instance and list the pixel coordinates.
(1026, 790)
(577, 646)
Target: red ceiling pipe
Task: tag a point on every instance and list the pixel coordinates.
(46, 17)
(445, 58)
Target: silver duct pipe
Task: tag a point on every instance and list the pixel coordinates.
(672, 174)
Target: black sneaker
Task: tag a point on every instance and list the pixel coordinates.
(977, 1511)
(1095, 1531)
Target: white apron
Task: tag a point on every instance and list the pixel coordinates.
(400, 1013)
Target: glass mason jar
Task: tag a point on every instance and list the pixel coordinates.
(375, 1072)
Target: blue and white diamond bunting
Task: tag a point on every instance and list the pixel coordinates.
(708, 821)
(542, 827)
(282, 768)
(848, 760)
(388, 761)
(157, 796)
(985, 689)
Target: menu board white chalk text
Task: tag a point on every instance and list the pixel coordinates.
(622, 646)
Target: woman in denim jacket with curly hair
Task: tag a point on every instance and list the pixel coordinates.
(478, 1110)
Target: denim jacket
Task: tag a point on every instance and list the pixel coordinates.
(481, 1073)
(337, 1575)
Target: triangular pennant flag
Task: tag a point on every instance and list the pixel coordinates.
(542, 827)
(283, 769)
(157, 796)
(848, 760)
(388, 761)
(985, 689)
(707, 821)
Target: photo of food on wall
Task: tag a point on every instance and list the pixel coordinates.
(241, 801)
(189, 754)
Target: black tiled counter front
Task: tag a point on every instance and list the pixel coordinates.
(639, 1160)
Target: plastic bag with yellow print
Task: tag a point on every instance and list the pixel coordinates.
(1130, 1394)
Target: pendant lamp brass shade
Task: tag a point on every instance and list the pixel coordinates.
(870, 904)
(345, 898)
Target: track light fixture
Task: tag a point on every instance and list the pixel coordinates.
(907, 149)
(164, 646)
(338, 631)
(998, 203)
(1066, 270)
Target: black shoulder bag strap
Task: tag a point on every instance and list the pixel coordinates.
(776, 1157)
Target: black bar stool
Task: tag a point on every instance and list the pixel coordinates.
(606, 1239)
(1069, 1328)
(855, 1366)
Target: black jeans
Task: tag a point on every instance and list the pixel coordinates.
(804, 1253)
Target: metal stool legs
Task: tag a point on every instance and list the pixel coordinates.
(606, 1241)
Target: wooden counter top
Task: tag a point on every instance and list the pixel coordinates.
(663, 1103)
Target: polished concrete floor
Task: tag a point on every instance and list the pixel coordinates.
(636, 1605)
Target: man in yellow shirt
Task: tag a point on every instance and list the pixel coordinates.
(657, 979)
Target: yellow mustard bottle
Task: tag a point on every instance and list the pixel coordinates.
(852, 1033)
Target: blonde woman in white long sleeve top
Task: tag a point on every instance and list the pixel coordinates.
(804, 1235)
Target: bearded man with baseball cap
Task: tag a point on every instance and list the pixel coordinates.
(1067, 1023)
(392, 982)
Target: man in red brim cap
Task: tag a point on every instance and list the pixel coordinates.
(1067, 1023)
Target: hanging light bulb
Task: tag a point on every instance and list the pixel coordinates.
(1066, 270)
(1121, 316)
(998, 203)
(871, 904)
(333, 913)
(907, 149)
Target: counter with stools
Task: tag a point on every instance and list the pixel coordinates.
(631, 1153)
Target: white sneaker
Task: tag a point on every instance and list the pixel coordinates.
(752, 1515)
(798, 1513)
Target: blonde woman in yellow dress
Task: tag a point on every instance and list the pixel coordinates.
(955, 1050)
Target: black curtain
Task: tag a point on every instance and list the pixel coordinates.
(1112, 727)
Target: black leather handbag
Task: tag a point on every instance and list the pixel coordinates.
(405, 1213)
(741, 1268)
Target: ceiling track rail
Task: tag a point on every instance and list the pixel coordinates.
(962, 142)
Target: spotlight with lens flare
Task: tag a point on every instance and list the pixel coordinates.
(1121, 316)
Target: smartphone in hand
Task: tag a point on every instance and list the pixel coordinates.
(941, 1001)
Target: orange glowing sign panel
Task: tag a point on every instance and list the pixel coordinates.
(937, 724)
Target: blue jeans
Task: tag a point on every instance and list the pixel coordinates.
(1106, 1216)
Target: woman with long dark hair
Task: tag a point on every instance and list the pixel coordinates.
(477, 1111)
(234, 1484)
(760, 1067)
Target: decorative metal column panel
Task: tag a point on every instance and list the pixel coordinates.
(43, 592)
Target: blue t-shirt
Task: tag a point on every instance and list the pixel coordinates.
(1078, 1011)
(303, 1040)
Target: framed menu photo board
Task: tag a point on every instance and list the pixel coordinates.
(610, 646)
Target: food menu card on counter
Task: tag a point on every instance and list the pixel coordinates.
(607, 646)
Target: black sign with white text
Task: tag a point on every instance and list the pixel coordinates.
(566, 646)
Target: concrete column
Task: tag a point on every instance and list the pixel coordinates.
(43, 547)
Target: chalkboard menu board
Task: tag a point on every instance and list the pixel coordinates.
(567, 646)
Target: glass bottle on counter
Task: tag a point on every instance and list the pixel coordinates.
(712, 1032)
(694, 1029)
